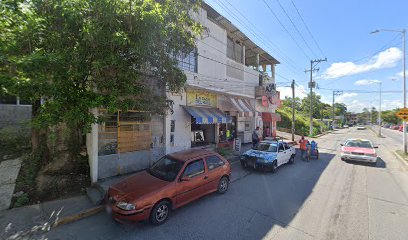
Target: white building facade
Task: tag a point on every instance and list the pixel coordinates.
(222, 98)
(225, 97)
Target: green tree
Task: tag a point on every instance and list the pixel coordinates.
(316, 107)
(77, 55)
(390, 117)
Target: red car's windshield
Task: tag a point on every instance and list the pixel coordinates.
(166, 169)
(360, 144)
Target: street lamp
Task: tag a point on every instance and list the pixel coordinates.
(404, 132)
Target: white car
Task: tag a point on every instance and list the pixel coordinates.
(361, 128)
(269, 155)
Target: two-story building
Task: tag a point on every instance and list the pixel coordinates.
(223, 94)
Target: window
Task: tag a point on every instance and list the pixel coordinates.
(281, 148)
(234, 50)
(286, 145)
(189, 62)
(214, 162)
(166, 169)
(194, 168)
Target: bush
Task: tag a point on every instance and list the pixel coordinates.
(21, 200)
(14, 140)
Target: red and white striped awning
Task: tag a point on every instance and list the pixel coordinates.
(243, 106)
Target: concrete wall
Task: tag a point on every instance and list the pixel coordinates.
(182, 134)
(14, 115)
(223, 74)
(116, 164)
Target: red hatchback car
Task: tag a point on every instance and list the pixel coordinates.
(173, 181)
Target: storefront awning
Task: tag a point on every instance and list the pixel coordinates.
(242, 105)
(271, 117)
(207, 115)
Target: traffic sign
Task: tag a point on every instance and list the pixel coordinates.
(403, 114)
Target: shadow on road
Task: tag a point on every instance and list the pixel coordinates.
(380, 163)
(254, 206)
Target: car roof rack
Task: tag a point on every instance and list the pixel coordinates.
(274, 139)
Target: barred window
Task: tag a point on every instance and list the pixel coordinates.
(189, 62)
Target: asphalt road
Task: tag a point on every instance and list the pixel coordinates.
(321, 199)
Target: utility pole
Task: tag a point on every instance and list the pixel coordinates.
(335, 93)
(312, 84)
(293, 110)
(379, 114)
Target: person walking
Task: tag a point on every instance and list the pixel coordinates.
(303, 147)
(255, 137)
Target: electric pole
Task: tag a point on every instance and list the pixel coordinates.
(312, 84)
(293, 110)
(335, 93)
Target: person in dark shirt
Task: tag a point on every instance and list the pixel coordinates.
(255, 137)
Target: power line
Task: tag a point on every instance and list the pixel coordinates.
(252, 29)
(297, 30)
(283, 26)
(360, 59)
(307, 28)
(265, 37)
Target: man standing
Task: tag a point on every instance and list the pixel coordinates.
(255, 137)
(303, 147)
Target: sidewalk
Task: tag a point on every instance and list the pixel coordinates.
(26, 222)
(8, 171)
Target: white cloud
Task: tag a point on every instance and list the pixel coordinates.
(365, 82)
(287, 92)
(400, 74)
(346, 98)
(391, 104)
(357, 106)
(385, 59)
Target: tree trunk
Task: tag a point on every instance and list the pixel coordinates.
(39, 136)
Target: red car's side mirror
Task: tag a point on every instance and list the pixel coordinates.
(184, 179)
(375, 146)
(341, 144)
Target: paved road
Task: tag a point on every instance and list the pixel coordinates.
(322, 199)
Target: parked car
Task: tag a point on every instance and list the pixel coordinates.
(346, 126)
(268, 155)
(386, 125)
(358, 150)
(173, 181)
(361, 127)
(394, 127)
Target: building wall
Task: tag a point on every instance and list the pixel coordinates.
(182, 133)
(215, 70)
(14, 115)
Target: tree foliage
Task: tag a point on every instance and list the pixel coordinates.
(78, 54)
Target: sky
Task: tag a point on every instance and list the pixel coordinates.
(298, 31)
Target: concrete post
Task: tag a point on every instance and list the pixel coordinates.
(92, 148)
(243, 54)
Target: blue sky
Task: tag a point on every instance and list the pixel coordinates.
(356, 59)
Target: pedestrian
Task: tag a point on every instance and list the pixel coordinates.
(255, 137)
(303, 147)
(267, 132)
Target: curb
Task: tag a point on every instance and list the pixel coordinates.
(401, 158)
(78, 216)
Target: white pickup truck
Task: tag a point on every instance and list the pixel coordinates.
(269, 155)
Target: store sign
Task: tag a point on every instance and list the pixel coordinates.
(201, 98)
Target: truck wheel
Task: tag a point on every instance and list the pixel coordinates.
(292, 159)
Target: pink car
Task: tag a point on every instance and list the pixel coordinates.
(358, 150)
